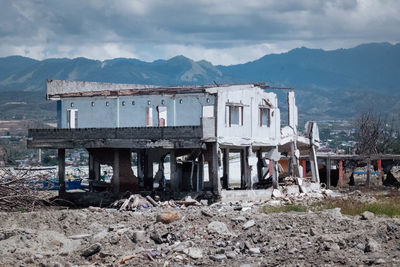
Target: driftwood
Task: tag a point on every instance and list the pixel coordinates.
(133, 202)
(17, 190)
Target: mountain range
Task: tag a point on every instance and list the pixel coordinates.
(336, 84)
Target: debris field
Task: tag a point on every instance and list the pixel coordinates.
(192, 233)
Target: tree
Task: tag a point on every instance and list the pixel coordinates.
(371, 134)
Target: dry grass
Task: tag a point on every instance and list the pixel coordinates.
(389, 206)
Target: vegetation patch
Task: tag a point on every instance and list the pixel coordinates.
(389, 206)
(285, 208)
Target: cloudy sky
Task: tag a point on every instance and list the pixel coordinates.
(223, 32)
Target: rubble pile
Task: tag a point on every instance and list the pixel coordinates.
(178, 233)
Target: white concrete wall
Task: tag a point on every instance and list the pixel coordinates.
(250, 132)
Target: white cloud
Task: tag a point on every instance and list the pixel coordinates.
(223, 32)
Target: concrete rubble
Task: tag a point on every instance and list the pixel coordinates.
(171, 234)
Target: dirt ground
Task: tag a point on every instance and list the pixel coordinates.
(235, 234)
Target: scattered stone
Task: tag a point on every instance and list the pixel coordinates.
(82, 236)
(218, 257)
(231, 254)
(204, 202)
(138, 236)
(168, 217)
(367, 215)
(194, 253)
(91, 250)
(238, 219)
(276, 193)
(372, 246)
(248, 224)
(220, 228)
(254, 251)
(206, 213)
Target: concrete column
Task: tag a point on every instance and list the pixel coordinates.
(148, 171)
(328, 172)
(226, 168)
(96, 169)
(213, 167)
(116, 181)
(249, 184)
(201, 172)
(275, 174)
(380, 173)
(259, 165)
(242, 169)
(368, 171)
(140, 163)
(314, 165)
(340, 172)
(271, 167)
(174, 174)
(61, 171)
(304, 165)
(91, 167)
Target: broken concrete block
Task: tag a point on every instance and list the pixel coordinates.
(277, 194)
(367, 215)
(91, 250)
(220, 228)
(248, 224)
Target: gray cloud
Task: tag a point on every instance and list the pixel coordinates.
(222, 31)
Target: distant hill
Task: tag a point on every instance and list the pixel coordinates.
(329, 84)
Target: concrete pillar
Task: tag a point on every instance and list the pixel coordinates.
(225, 166)
(140, 163)
(174, 174)
(294, 162)
(314, 165)
(260, 165)
(61, 171)
(275, 174)
(242, 169)
(213, 167)
(271, 167)
(148, 171)
(304, 165)
(328, 172)
(340, 172)
(91, 167)
(201, 172)
(380, 173)
(368, 171)
(96, 169)
(116, 181)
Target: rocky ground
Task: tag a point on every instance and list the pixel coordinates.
(219, 234)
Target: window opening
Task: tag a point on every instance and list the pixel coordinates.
(149, 117)
(265, 117)
(234, 115)
(162, 116)
(72, 118)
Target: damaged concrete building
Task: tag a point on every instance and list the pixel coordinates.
(192, 126)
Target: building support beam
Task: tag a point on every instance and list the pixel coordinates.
(225, 168)
(116, 181)
(175, 183)
(314, 165)
(245, 181)
(61, 171)
(340, 173)
(368, 171)
(275, 174)
(328, 172)
(380, 173)
(148, 171)
(213, 167)
(260, 165)
(304, 165)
